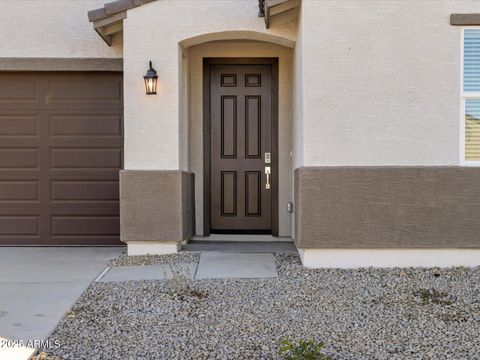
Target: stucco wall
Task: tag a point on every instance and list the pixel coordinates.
(375, 82)
(298, 93)
(52, 29)
(242, 49)
(381, 82)
(153, 137)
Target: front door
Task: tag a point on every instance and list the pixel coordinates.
(241, 148)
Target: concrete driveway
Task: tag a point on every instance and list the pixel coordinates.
(39, 285)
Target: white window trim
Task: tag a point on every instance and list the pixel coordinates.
(463, 97)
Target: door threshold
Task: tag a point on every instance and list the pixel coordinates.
(241, 238)
(240, 246)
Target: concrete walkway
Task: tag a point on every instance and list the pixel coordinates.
(39, 285)
(215, 265)
(212, 265)
(147, 272)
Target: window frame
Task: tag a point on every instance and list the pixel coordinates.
(463, 97)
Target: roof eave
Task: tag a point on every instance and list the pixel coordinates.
(278, 12)
(108, 20)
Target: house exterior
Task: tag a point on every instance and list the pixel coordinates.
(349, 127)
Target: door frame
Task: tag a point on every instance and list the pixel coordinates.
(207, 65)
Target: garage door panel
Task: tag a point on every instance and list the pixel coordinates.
(56, 240)
(77, 88)
(18, 190)
(73, 126)
(91, 225)
(18, 225)
(51, 91)
(18, 125)
(18, 158)
(84, 191)
(19, 91)
(82, 240)
(75, 91)
(84, 174)
(63, 158)
(61, 148)
(75, 209)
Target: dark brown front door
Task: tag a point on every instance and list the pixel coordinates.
(241, 148)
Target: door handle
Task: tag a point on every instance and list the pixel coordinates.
(267, 177)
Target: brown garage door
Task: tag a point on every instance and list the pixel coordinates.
(61, 147)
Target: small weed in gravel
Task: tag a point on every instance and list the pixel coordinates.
(457, 316)
(181, 285)
(44, 356)
(435, 296)
(304, 350)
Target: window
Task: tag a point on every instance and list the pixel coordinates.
(470, 122)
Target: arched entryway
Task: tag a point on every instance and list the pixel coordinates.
(237, 46)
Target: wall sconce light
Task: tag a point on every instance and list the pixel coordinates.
(151, 81)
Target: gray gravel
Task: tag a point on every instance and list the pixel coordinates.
(359, 314)
(182, 257)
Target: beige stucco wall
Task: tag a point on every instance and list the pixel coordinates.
(242, 49)
(298, 94)
(52, 29)
(370, 87)
(381, 82)
(158, 31)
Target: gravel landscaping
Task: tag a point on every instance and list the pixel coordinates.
(358, 314)
(124, 260)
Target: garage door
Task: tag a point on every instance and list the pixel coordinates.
(61, 148)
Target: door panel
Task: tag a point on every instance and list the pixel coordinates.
(241, 134)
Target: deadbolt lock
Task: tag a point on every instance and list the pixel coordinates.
(268, 158)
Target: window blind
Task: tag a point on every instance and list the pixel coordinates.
(471, 94)
(472, 129)
(471, 60)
